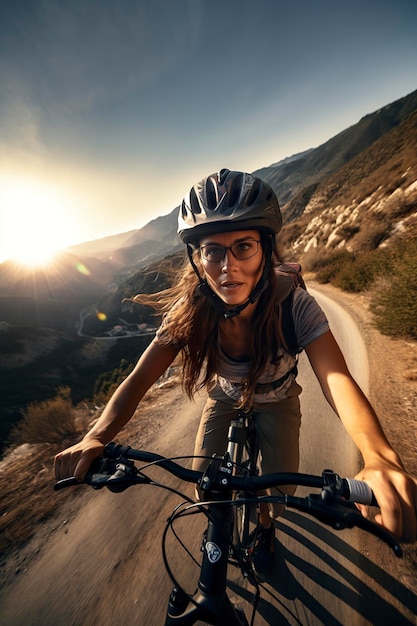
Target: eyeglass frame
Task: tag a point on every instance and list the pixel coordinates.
(226, 248)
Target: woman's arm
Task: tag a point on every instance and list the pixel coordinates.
(75, 461)
(395, 490)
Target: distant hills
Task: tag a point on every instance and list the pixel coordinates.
(357, 191)
(136, 247)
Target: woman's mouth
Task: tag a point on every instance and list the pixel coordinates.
(230, 285)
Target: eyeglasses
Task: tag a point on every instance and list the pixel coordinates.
(242, 250)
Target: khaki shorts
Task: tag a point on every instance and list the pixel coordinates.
(277, 427)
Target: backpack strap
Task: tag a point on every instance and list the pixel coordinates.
(289, 278)
(288, 327)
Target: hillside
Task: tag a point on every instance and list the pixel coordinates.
(356, 192)
(367, 202)
(289, 178)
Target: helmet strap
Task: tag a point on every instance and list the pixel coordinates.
(217, 302)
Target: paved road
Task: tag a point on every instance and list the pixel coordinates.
(106, 566)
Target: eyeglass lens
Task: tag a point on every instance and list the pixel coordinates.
(241, 250)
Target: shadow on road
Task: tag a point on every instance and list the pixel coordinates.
(352, 586)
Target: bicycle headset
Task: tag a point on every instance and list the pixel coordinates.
(224, 202)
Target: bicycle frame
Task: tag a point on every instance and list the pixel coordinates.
(212, 602)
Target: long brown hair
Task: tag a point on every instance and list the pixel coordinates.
(192, 323)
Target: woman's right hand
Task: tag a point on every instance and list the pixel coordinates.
(76, 460)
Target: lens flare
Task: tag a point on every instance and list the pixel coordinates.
(82, 269)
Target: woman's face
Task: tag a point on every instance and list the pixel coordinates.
(233, 264)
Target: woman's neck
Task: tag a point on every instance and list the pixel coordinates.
(234, 336)
(242, 319)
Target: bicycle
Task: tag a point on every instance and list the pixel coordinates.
(230, 483)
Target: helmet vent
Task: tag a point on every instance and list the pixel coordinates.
(234, 191)
(183, 210)
(223, 175)
(211, 194)
(194, 203)
(254, 192)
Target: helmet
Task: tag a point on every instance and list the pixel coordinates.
(228, 201)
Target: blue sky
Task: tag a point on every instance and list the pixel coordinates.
(111, 109)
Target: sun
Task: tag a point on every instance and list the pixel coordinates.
(35, 221)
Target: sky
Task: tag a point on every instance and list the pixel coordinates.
(110, 110)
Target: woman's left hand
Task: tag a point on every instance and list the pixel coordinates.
(396, 493)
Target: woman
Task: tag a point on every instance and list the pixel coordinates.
(224, 317)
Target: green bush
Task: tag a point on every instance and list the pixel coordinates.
(328, 266)
(359, 273)
(354, 276)
(345, 270)
(391, 273)
(394, 303)
(108, 381)
(49, 421)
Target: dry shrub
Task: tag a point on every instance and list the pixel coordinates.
(391, 274)
(50, 421)
(394, 303)
(327, 265)
(26, 472)
(27, 499)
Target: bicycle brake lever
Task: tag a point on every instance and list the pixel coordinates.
(115, 475)
(104, 472)
(341, 514)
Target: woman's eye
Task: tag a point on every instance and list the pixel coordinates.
(214, 251)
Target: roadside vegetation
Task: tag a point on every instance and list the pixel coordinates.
(388, 274)
(26, 475)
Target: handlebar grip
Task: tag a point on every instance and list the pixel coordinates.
(359, 491)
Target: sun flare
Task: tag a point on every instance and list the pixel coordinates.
(35, 221)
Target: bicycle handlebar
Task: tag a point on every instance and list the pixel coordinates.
(334, 506)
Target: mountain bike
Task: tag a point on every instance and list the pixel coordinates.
(231, 486)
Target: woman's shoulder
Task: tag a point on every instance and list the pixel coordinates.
(309, 318)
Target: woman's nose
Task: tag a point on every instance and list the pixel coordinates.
(229, 260)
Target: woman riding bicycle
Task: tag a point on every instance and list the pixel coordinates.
(224, 317)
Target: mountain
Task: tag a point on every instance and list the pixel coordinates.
(135, 247)
(357, 191)
(102, 248)
(52, 296)
(289, 177)
(368, 202)
(372, 151)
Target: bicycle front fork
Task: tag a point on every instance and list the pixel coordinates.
(210, 603)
